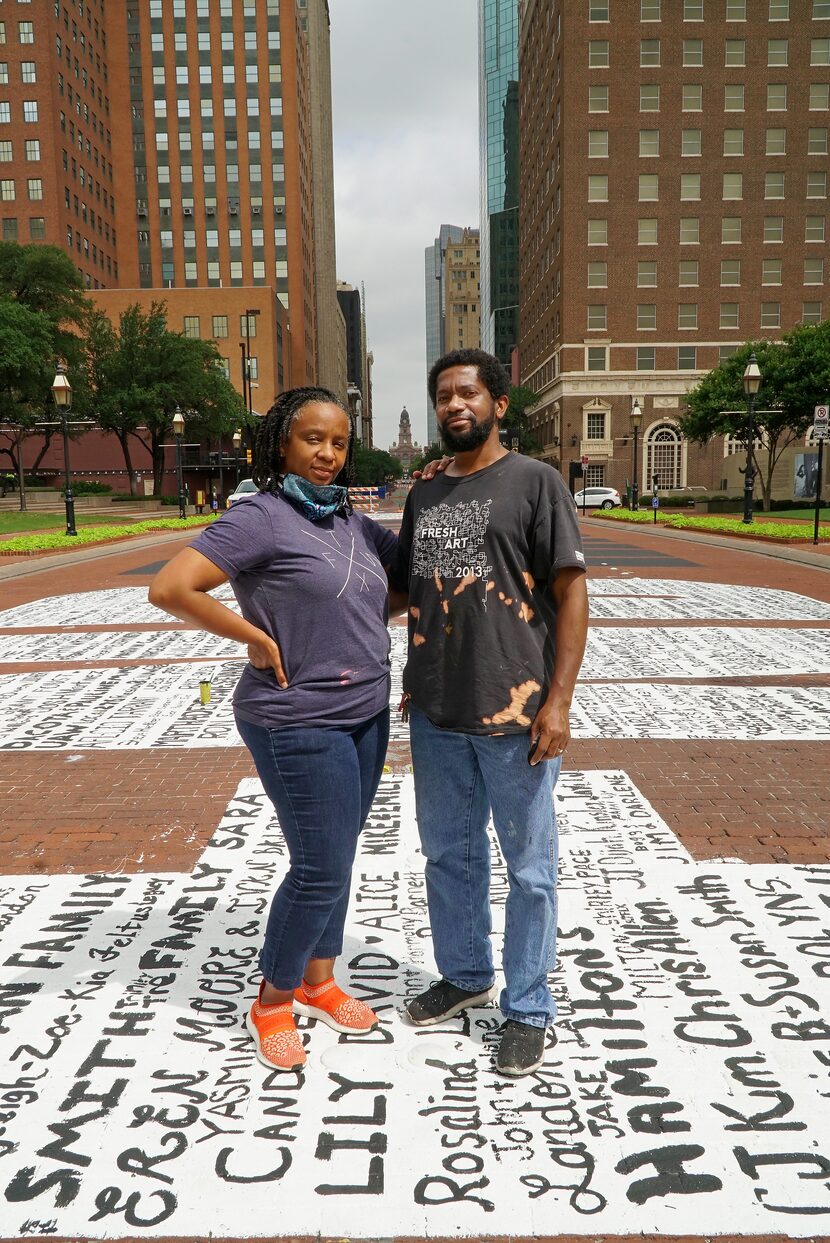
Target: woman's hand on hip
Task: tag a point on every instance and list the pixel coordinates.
(265, 654)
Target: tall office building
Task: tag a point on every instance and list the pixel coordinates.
(331, 353)
(435, 302)
(674, 171)
(499, 175)
(358, 359)
(462, 290)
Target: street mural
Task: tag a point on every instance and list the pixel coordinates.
(159, 705)
(684, 1089)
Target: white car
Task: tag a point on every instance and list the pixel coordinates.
(244, 489)
(598, 498)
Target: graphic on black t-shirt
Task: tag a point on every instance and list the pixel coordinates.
(449, 541)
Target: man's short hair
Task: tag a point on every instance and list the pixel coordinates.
(492, 374)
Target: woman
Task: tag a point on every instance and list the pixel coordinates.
(313, 704)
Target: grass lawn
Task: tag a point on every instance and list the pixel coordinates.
(13, 522)
(719, 524)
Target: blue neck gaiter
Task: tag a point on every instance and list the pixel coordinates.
(314, 501)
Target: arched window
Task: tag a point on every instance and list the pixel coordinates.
(664, 455)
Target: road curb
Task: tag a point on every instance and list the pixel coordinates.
(110, 548)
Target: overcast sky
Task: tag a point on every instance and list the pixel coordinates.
(405, 99)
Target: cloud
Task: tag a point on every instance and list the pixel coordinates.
(405, 99)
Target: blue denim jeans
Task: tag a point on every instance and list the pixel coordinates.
(322, 783)
(459, 779)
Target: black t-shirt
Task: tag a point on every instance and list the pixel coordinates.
(479, 554)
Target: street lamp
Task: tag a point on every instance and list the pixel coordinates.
(237, 441)
(752, 382)
(636, 418)
(178, 429)
(62, 393)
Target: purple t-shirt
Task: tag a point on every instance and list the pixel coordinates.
(319, 589)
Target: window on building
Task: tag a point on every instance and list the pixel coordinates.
(688, 272)
(692, 97)
(598, 188)
(648, 187)
(34, 187)
(7, 190)
(30, 112)
(191, 326)
(819, 96)
(689, 187)
(37, 227)
(597, 98)
(735, 52)
(28, 71)
(736, 10)
(693, 10)
(649, 10)
(597, 143)
(689, 230)
(770, 314)
(773, 228)
(247, 325)
(733, 186)
(820, 51)
(597, 317)
(811, 313)
(597, 10)
(647, 232)
(816, 141)
(6, 154)
(814, 229)
(779, 10)
(647, 316)
(733, 142)
(10, 229)
(597, 275)
(814, 271)
(596, 358)
(730, 272)
(686, 358)
(729, 315)
(595, 425)
(821, 10)
(26, 32)
(664, 455)
(649, 53)
(776, 143)
(597, 232)
(647, 273)
(817, 185)
(650, 97)
(687, 315)
(778, 52)
(692, 53)
(771, 271)
(598, 54)
(646, 358)
(219, 327)
(32, 146)
(733, 97)
(727, 351)
(776, 97)
(691, 142)
(649, 142)
(5, 111)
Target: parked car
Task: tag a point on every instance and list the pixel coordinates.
(244, 489)
(598, 498)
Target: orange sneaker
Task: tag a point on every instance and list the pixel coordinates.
(332, 1006)
(272, 1029)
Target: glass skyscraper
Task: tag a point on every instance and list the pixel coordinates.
(498, 86)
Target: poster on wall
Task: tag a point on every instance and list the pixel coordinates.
(806, 475)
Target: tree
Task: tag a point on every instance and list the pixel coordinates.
(42, 304)
(795, 376)
(374, 466)
(515, 422)
(432, 453)
(140, 372)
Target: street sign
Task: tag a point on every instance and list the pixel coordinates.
(821, 422)
(584, 461)
(655, 502)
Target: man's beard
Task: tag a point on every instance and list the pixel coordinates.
(473, 438)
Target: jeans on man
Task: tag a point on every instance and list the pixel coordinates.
(322, 783)
(459, 779)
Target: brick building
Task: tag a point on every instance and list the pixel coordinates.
(674, 176)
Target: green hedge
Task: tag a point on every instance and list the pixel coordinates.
(97, 535)
(90, 487)
(720, 526)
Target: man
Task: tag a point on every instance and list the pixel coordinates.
(498, 614)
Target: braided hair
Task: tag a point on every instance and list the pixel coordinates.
(272, 432)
